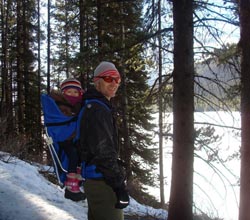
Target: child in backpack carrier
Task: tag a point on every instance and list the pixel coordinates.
(69, 101)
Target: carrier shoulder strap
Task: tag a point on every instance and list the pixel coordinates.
(88, 101)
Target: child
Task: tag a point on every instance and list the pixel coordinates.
(69, 100)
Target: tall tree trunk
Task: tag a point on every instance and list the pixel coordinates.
(244, 211)
(99, 30)
(81, 33)
(125, 117)
(38, 115)
(67, 68)
(85, 60)
(20, 64)
(181, 195)
(6, 102)
(162, 197)
(39, 53)
(48, 49)
(4, 51)
(28, 117)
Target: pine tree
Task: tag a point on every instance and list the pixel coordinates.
(21, 95)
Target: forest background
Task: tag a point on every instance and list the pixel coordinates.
(159, 47)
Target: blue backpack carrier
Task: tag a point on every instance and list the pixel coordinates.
(58, 127)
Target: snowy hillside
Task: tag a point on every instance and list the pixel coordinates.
(26, 194)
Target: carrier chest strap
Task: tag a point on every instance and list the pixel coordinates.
(61, 123)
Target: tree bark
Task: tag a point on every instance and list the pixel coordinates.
(181, 195)
(20, 65)
(244, 211)
(160, 104)
(48, 49)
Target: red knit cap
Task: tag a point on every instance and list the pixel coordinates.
(105, 69)
(70, 83)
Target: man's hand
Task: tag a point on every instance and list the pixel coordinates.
(122, 198)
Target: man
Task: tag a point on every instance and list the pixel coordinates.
(105, 192)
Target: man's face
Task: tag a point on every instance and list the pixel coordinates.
(108, 86)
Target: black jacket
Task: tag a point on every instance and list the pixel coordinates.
(99, 140)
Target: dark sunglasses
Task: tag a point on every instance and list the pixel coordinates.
(110, 79)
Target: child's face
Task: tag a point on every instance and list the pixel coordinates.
(72, 92)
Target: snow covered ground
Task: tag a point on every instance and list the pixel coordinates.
(25, 194)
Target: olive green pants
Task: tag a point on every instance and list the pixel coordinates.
(101, 201)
